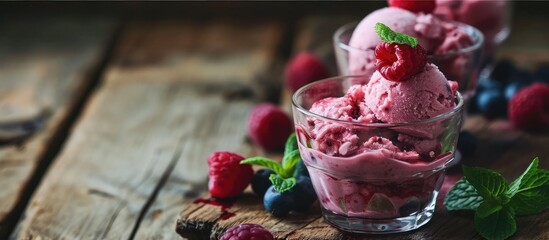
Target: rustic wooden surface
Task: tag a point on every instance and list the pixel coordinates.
(172, 94)
(44, 75)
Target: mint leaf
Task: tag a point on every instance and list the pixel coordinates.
(497, 225)
(265, 162)
(529, 193)
(462, 196)
(282, 184)
(487, 208)
(291, 144)
(390, 36)
(523, 180)
(531, 201)
(490, 185)
(290, 161)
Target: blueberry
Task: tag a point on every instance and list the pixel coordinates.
(301, 170)
(467, 144)
(513, 88)
(278, 204)
(260, 181)
(521, 76)
(542, 73)
(304, 194)
(492, 103)
(412, 206)
(503, 70)
(488, 84)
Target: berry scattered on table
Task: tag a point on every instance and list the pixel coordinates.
(513, 87)
(269, 126)
(492, 103)
(503, 70)
(489, 83)
(301, 170)
(467, 144)
(303, 69)
(417, 6)
(227, 177)
(247, 231)
(304, 194)
(529, 108)
(506, 79)
(261, 182)
(279, 204)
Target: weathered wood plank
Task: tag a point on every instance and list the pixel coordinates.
(46, 66)
(176, 92)
(248, 53)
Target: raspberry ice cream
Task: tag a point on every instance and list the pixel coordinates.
(435, 35)
(361, 170)
(488, 16)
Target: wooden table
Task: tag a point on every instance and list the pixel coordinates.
(123, 115)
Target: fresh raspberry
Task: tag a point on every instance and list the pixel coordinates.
(228, 177)
(303, 69)
(529, 108)
(397, 62)
(247, 231)
(417, 6)
(269, 126)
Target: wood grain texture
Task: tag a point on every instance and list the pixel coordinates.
(250, 50)
(45, 66)
(176, 92)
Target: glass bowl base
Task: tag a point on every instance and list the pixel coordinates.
(361, 225)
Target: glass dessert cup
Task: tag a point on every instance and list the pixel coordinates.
(492, 18)
(461, 66)
(381, 184)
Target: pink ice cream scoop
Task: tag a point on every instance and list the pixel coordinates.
(433, 34)
(488, 16)
(422, 96)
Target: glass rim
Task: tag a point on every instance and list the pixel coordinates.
(299, 107)
(476, 44)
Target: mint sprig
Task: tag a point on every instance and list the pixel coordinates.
(388, 35)
(496, 202)
(283, 179)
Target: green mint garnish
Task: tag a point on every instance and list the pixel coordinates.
(283, 179)
(282, 184)
(496, 202)
(490, 185)
(388, 35)
(462, 196)
(265, 162)
(498, 225)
